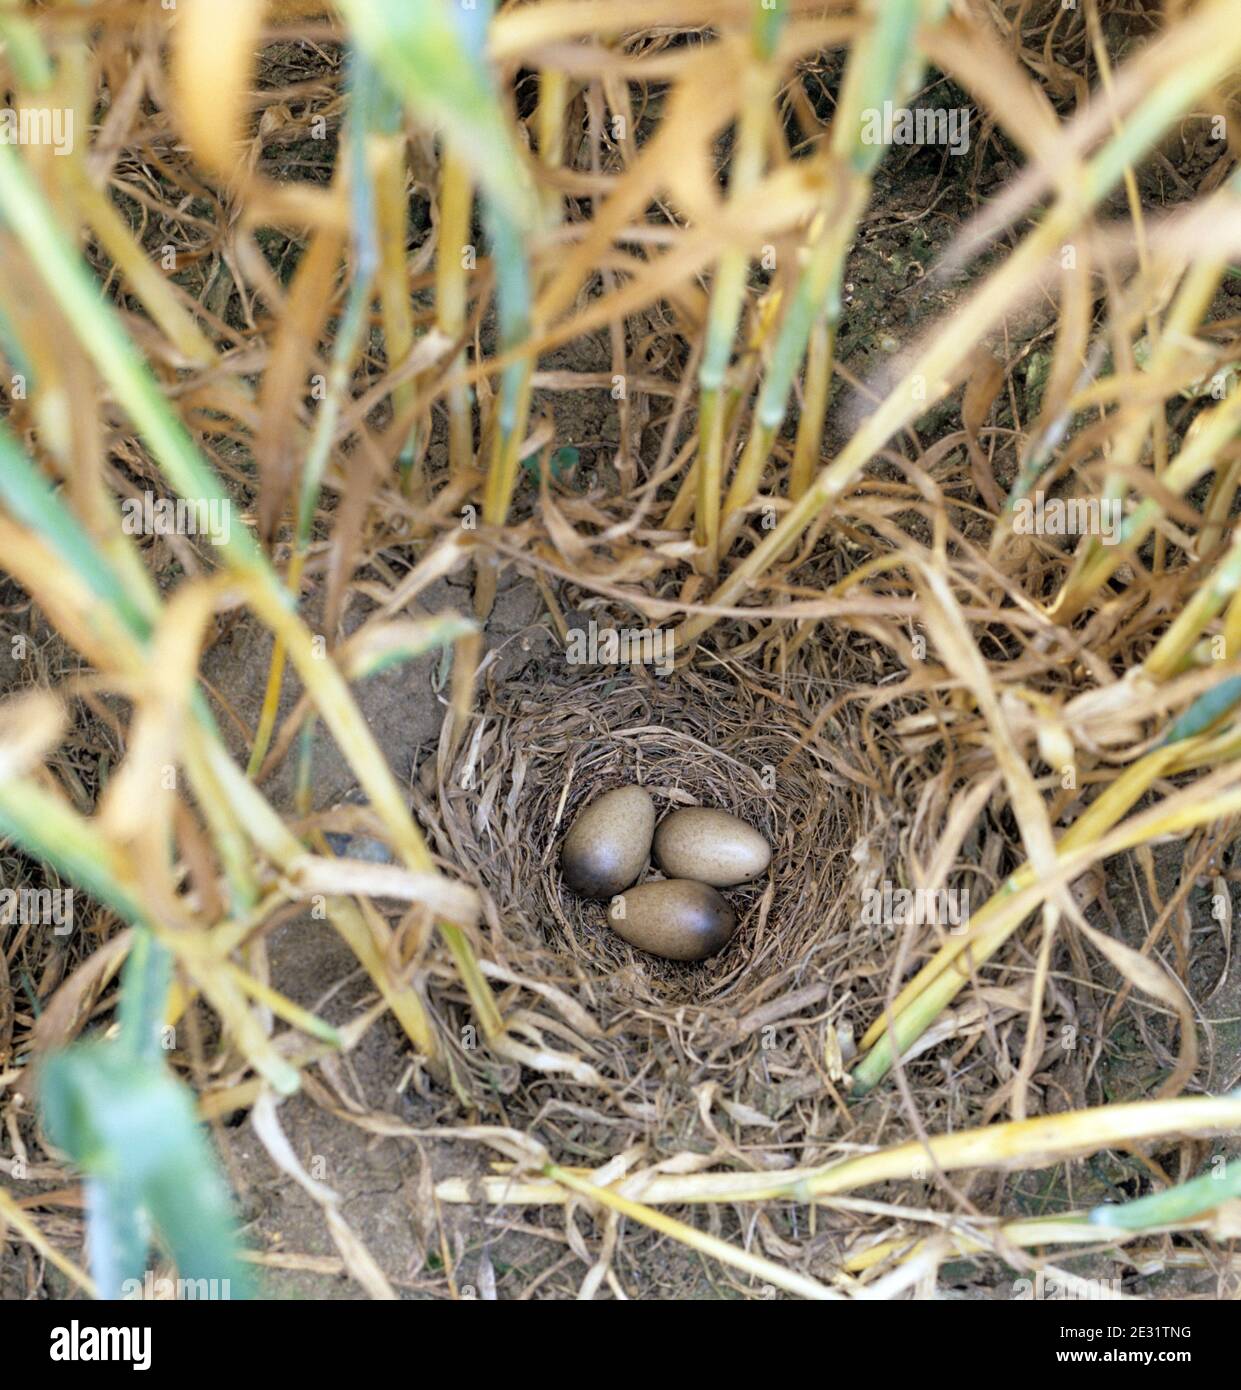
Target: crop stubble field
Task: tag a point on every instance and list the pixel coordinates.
(869, 371)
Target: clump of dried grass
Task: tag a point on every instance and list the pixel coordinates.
(538, 755)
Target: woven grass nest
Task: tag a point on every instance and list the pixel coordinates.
(545, 747)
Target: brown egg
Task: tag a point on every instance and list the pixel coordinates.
(610, 843)
(711, 846)
(674, 918)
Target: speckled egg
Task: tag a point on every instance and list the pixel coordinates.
(675, 918)
(711, 846)
(610, 843)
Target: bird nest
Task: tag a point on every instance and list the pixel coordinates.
(595, 1007)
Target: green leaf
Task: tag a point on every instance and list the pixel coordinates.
(1210, 707)
(432, 54)
(129, 1125)
(33, 502)
(563, 461)
(1180, 1203)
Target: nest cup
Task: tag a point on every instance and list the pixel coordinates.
(542, 753)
